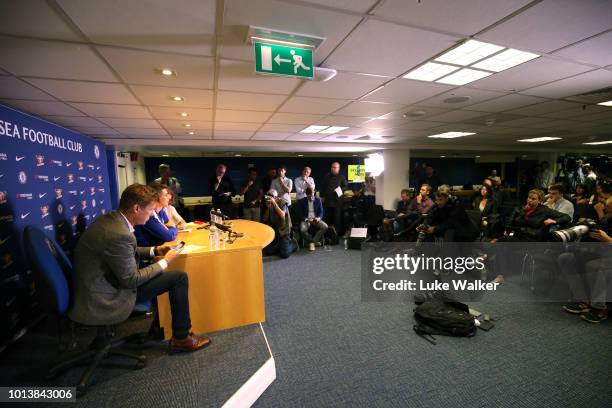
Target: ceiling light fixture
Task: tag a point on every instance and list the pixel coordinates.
(469, 52)
(191, 133)
(313, 129)
(599, 143)
(451, 135)
(165, 155)
(184, 114)
(430, 71)
(187, 125)
(333, 129)
(300, 155)
(178, 98)
(167, 72)
(464, 76)
(607, 103)
(539, 139)
(505, 60)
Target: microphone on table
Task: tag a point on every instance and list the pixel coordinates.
(219, 214)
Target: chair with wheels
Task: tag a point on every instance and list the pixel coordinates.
(52, 273)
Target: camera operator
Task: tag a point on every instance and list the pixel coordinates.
(276, 215)
(588, 285)
(449, 220)
(532, 222)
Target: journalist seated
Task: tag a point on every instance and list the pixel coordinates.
(448, 219)
(533, 221)
(556, 201)
(158, 228)
(488, 207)
(276, 215)
(311, 218)
(108, 281)
(588, 273)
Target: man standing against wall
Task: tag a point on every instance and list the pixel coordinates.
(165, 178)
(303, 182)
(222, 190)
(334, 185)
(252, 192)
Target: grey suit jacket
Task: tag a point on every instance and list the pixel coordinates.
(106, 272)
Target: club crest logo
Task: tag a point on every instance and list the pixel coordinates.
(96, 151)
(22, 177)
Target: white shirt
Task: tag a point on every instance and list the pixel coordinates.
(301, 184)
(311, 211)
(277, 185)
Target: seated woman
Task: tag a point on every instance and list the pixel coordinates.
(172, 214)
(158, 229)
(532, 222)
(489, 211)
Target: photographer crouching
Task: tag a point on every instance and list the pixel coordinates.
(588, 273)
(276, 215)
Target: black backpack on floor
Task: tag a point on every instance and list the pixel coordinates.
(438, 317)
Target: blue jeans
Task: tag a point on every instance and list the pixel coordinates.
(281, 247)
(176, 283)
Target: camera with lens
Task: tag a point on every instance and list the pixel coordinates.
(422, 229)
(575, 232)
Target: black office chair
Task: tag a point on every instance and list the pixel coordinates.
(52, 272)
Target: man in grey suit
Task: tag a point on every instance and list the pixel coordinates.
(107, 278)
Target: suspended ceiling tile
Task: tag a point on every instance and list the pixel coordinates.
(223, 115)
(198, 133)
(358, 6)
(43, 107)
(236, 126)
(281, 128)
(95, 130)
(342, 86)
(465, 18)
(103, 110)
(369, 109)
(248, 101)
(550, 25)
(306, 137)
(161, 96)
(596, 51)
(506, 102)
(180, 26)
(580, 112)
(407, 91)
(78, 91)
(282, 16)
(336, 120)
(532, 73)
(130, 123)
(24, 57)
(180, 124)
(13, 88)
(543, 108)
(295, 118)
(404, 48)
(298, 104)
(80, 121)
(241, 76)
(34, 18)
(232, 135)
(590, 81)
(160, 112)
(142, 132)
(474, 95)
(143, 68)
(271, 135)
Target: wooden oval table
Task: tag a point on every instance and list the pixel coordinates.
(226, 287)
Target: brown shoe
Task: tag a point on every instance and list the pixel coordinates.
(192, 342)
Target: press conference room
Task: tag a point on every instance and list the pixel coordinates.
(306, 203)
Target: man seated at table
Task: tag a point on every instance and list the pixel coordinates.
(311, 218)
(276, 215)
(108, 282)
(158, 228)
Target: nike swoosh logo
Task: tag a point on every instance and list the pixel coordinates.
(82, 192)
(68, 164)
(101, 202)
(56, 178)
(72, 206)
(2, 241)
(91, 178)
(17, 158)
(24, 215)
(1, 175)
(42, 195)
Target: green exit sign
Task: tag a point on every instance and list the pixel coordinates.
(283, 60)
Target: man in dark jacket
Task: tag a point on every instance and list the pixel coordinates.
(221, 189)
(449, 220)
(311, 218)
(332, 190)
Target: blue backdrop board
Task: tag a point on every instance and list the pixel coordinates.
(51, 177)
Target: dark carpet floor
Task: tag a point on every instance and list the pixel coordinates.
(333, 350)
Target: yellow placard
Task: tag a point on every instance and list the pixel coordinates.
(356, 173)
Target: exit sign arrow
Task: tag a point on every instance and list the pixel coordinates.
(278, 59)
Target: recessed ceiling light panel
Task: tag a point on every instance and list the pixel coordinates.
(313, 129)
(464, 76)
(451, 135)
(430, 71)
(608, 103)
(599, 143)
(539, 139)
(506, 59)
(333, 129)
(469, 52)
